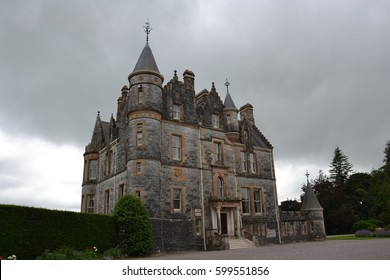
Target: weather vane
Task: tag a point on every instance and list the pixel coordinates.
(147, 29)
(227, 84)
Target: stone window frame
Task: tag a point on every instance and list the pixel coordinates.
(139, 134)
(176, 112)
(253, 163)
(182, 147)
(182, 199)
(121, 191)
(89, 197)
(139, 192)
(260, 201)
(219, 187)
(198, 226)
(215, 121)
(139, 164)
(221, 153)
(247, 200)
(106, 202)
(244, 162)
(140, 96)
(252, 201)
(89, 176)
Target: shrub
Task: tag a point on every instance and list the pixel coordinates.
(364, 233)
(383, 233)
(27, 231)
(67, 253)
(370, 224)
(135, 230)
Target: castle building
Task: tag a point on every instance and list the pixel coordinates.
(200, 165)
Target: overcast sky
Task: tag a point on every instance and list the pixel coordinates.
(316, 72)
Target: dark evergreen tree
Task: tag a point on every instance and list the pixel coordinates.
(340, 167)
(357, 193)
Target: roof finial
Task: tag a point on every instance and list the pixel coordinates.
(147, 29)
(307, 175)
(227, 84)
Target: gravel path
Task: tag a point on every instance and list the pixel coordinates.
(375, 249)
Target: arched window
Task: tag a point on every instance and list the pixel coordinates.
(219, 184)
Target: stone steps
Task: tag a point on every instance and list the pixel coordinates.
(239, 243)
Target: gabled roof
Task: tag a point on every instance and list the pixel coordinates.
(258, 138)
(146, 61)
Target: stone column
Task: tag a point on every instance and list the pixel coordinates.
(238, 218)
(219, 219)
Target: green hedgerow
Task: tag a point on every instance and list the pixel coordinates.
(135, 230)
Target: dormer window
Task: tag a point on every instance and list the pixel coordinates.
(215, 118)
(252, 160)
(176, 112)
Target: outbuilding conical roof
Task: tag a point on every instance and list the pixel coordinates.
(310, 201)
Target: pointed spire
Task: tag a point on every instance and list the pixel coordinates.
(146, 61)
(97, 140)
(228, 99)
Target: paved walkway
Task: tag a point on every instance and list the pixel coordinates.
(375, 249)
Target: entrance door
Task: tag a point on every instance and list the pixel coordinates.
(224, 227)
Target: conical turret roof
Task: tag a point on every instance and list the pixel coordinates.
(146, 61)
(229, 104)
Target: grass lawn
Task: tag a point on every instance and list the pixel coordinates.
(349, 237)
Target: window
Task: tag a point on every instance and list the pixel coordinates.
(138, 168)
(219, 187)
(92, 169)
(109, 163)
(176, 147)
(90, 203)
(217, 152)
(243, 162)
(121, 191)
(245, 197)
(139, 134)
(257, 201)
(215, 121)
(198, 227)
(177, 200)
(138, 194)
(252, 161)
(228, 120)
(140, 97)
(176, 112)
(246, 134)
(107, 202)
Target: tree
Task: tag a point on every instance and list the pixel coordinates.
(386, 167)
(340, 167)
(356, 192)
(290, 205)
(135, 230)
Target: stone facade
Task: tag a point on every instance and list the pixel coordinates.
(200, 166)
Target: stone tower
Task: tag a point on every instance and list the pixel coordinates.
(144, 115)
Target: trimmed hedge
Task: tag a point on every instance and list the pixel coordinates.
(27, 232)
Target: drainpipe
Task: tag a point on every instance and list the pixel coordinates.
(277, 212)
(202, 190)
